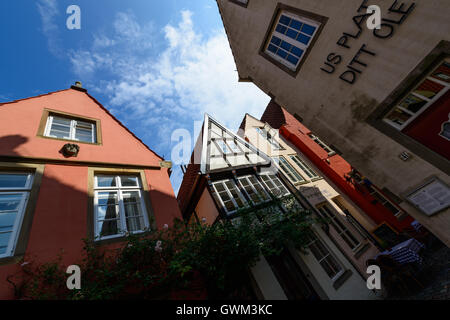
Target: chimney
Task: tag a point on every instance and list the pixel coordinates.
(78, 86)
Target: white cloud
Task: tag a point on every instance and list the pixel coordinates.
(191, 75)
(48, 10)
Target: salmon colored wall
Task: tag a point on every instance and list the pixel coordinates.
(162, 197)
(206, 208)
(60, 218)
(336, 170)
(20, 122)
(59, 221)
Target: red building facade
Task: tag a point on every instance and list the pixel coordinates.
(378, 204)
(69, 170)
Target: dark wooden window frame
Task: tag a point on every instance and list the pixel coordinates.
(302, 13)
(245, 5)
(375, 119)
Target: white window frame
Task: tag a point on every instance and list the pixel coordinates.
(373, 190)
(340, 225)
(315, 239)
(310, 172)
(230, 195)
(272, 177)
(291, 41)
(288, 170)
(25, 195)
(429, 101)
(73, 128)
(322, 144)
(119, 190)
(274, 144)
(253, 188)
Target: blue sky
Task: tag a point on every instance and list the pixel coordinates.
(157, 66)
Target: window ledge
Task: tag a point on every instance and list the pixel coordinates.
(332, 153)
(361, 250)
(10, 260)
(301, 183)
(69, 140)
(316, 179)
(341, 280)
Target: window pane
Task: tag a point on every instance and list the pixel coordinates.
(429, 89)
(304, 166)
(224, 196)
(290, 171)
(298, 52)
(285, 20)
(12, 181)
(322, 251)
(412, 103)
(132, 210)
(84, 125)
(135, 224)
(7, 220)
(106, 181)
(107, 198)
(131, 202)
(61, 121)
(353, 242)
(316, 252)
(303, 39)
(259, 188)
(108, 227)
(443, 72)
(333, 264)
(283, 54)
(292, 33)
(107, 212)
(398, 116)
(128, 181)
(4, 240)
(60, 128)
(391, 208)
(131, 197)
(296, 24)
(276, 40)
(309, 30)
(237, 198)
(328, 269)
(229, 205)
(219, 187)
(292, 59)
(10, 202)
(84, 135)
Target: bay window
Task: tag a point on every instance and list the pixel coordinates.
(228, 195)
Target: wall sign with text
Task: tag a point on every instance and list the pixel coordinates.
(431, 198)
(396, 16)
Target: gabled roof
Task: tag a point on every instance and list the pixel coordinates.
(93, 99)
(223, 150)
(277, 116)
(209, 157)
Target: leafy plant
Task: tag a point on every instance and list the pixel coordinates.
(157, 264)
